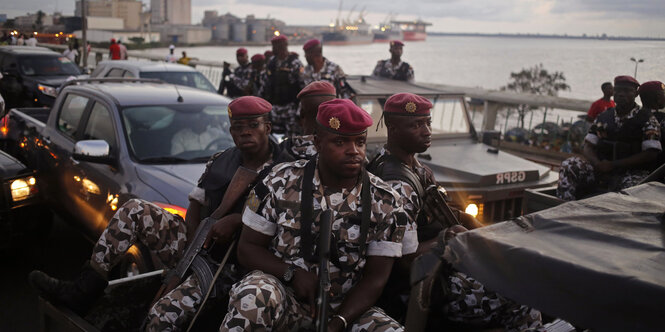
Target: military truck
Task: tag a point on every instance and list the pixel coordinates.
(479, 178)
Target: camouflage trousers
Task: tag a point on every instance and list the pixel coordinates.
(285, 119)
(469, 302)
(577, 176)
(260, 302)
(162, 232)
(174, 310)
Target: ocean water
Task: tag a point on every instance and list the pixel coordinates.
(488, 61)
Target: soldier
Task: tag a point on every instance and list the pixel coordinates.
(321, 69)
(258, 69)
(280, 85)
(394, 68)
(238, 83)
(278, 238)
(166, 234)
(652, 95)
(408, 120)
(619, 150)
(315, 93)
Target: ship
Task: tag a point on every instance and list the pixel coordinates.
(348, 31)
(413, 30)
(386, 32)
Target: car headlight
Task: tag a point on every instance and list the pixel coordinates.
(23, 188)
(47, 90)
(472, 209)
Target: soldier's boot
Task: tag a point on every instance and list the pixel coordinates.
(77, 295)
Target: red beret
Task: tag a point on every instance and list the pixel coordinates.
(258, 57)
(626, 80)
(112, 40)
(241, 51)
(310, 44)
(317, 88)
(248, 107)
(279, 39)
(396, 43)
(267, 54)
(343, 117)
(651, 86)
(407, 104)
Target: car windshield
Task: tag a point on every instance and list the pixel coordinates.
(448, 116)
(167, 134)
(193, 79)
(47, 66)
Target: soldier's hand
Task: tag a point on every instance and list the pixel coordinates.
(305, 285)
(222, 231)
(604, 166)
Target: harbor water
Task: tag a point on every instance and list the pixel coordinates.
(488, 61)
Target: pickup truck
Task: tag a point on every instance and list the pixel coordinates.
(479, 179)
(21, 210)
(106, 141)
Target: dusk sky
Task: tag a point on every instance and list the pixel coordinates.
(614, 17)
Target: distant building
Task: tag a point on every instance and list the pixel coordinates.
(3, 18)
(128, 10)
(230, 28)
(184, 34)
(27, 22)
(177, 12)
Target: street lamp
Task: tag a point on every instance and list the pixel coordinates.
(636, 62)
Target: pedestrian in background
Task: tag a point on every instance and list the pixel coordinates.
(171, 58)
(600, 105)
(123, 50)
(114, 50)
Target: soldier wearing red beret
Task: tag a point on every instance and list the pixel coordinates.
(320, 68)
(278, 240)
(166, 235)
(652, 95)
(315, 93)
(620, 149)
(394, 68)
(239, 82)
(408, 120)
(280, 85)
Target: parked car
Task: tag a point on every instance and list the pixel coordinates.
(102, 144)
(31, 75)
(168, 72)
(479, 179)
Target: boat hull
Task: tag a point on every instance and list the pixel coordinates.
(414, 35)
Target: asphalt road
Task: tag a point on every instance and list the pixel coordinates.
(61, 255)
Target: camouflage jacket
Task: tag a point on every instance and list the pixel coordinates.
(403, 71)
(273, 209)
(282, 80)
(332, 73)
(604, 126)
(300, 147)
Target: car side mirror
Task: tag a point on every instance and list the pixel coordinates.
(94, 151)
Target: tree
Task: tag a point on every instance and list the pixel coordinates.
(137, 40)
(535, 80)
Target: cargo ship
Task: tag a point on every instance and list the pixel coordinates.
(348, 31)
(413, 30)
(387, 32)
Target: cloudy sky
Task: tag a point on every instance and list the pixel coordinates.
(614, 17)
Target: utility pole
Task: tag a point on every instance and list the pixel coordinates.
(84, 33)
(636, 62)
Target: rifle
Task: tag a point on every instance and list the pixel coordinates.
(436, 207)
(242, 179)
(325, 230)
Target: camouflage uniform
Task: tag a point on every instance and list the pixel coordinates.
(300, 147)
(280, 84)
(261, 302)
(466, 300)
(577, 176)
(332, 73)
(403, 71)
(239, 82)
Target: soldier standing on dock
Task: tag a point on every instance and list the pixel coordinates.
(321, 69)
(394, 68)
(620, 149)
(280, 85)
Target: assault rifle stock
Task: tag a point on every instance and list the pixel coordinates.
(436, 207)
(325, 231)
(239, 184)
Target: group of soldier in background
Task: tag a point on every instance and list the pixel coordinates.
(624, 143)
(279, 76)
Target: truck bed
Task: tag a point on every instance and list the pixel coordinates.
(38, 113)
